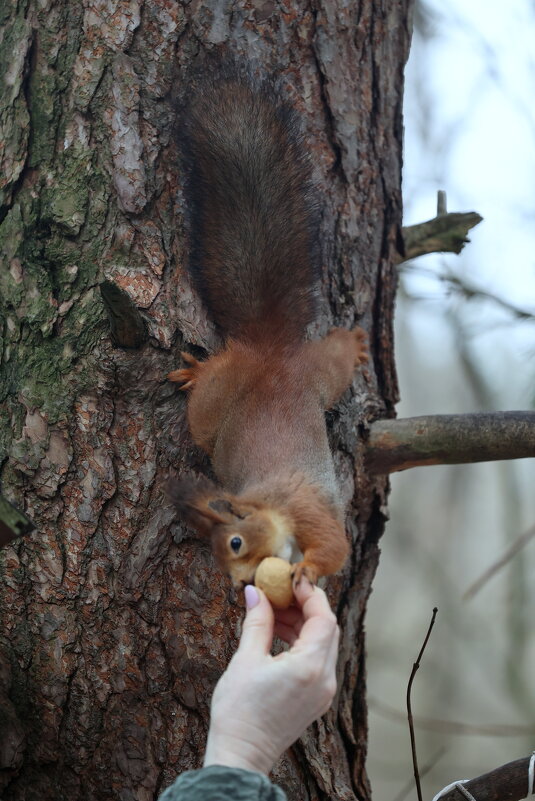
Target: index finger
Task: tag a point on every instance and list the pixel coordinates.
(320, 625)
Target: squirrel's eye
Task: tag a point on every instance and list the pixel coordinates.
(235, 544)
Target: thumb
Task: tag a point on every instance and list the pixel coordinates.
(257, 630)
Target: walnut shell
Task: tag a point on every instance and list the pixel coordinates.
(273, 576)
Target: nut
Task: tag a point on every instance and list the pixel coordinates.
(273, 576)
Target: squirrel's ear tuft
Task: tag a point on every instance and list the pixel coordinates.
(227, 507)
(199, 503)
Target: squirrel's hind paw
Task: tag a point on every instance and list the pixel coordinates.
(187, 376)
(362, 354)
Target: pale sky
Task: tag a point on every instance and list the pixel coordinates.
(470, 129)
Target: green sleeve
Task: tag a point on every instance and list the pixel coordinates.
(219, 783)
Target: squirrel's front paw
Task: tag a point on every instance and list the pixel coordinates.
(188, 375)
(303, 569)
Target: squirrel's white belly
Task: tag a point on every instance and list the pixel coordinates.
(289, 551)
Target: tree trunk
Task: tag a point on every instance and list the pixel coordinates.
(115, 623)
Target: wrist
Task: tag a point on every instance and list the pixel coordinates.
(237, 752)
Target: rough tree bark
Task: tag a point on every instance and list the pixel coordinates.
(115, 624)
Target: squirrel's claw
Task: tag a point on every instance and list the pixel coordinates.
(189, 359)
(303, 569)
(184, 376)
(187, 376)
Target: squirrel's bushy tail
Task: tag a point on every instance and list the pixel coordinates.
(253, 214)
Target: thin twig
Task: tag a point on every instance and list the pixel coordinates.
(442, 203)
(453, 727)
(409, 710)
(513, 549)
(460, 286)
(426, 768)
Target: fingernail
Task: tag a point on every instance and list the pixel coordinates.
(302, 581)
(251, 596)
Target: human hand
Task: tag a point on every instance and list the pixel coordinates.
(263, 703)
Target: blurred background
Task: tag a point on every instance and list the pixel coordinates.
(465, 342)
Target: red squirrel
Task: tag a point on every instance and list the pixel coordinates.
(257, 406)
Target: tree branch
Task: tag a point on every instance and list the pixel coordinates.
(446, 233)
(510, 782)
(13, 523)
(449, 439)
(127, 326)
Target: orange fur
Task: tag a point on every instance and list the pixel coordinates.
(258, 411)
